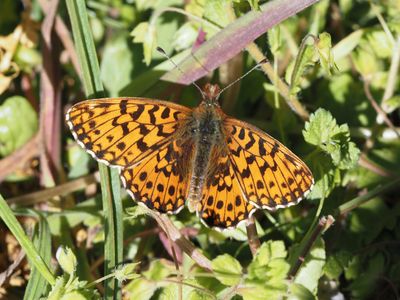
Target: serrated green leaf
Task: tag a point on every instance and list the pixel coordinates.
(269, 262)
(322, 130)
(227, 269)
(18, 123)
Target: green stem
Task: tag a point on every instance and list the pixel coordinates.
(299, 59)
(356, 202)
(15, 227)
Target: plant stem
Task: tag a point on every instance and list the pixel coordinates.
(323, 224)
(356, 202)
(169, 228)
(254, 241)
(282, 87)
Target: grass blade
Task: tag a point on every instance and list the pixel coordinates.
(110, 186)
(15, 227)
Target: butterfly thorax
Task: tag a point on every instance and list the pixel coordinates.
(207, 134)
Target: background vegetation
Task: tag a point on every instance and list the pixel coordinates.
(329, 91)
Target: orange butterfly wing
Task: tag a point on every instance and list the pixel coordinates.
(142, 137)
(222, 203)
(123, 131)
(269, 174)
(161, 180)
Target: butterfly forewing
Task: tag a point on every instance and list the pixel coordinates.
(269, 174)
(123, 131)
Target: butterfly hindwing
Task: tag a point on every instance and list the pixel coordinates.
(123, 131)
(222, 204)
(270, 175)
(160, 181)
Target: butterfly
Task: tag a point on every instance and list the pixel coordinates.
(169, 155)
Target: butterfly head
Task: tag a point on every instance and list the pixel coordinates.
(211, 94)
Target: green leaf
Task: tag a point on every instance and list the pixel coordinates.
(141, 289)
(185, 37)
(260, 291)
(171, 291)
(227, 269)
(311, 269)
(116, 65)
(366, 279)
(299, 292)
(323, 131)
(254, 4)
(78, 160)
(157, 271)
(145, 33)
(336, 263)
(391, 104)
(380, 43)
(269, 263)
(216, 12)
(18, 123)
(365, 62)
(347, 45)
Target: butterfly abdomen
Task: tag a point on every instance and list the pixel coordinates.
(206, 131)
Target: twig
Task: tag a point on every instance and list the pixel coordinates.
(59, 190)
(65, 37)
(10, 269)
(19, 157)
(323, 224)
(165, 223)
(377, 108)
(174, 256)
(254, 241)
(50, 103)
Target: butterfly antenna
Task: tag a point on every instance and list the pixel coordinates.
(241, 77)
(162, 52)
